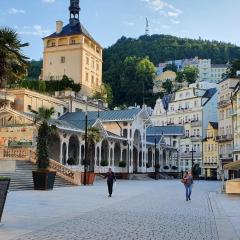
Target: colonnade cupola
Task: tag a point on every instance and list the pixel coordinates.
(74, 10)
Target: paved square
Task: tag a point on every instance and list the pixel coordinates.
(137, 210)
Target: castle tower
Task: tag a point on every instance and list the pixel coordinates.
(72, 51)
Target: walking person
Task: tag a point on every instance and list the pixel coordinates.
(110, 179)
(188, 182)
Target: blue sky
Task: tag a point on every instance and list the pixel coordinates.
(108, 20)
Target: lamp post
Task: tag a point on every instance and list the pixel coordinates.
(155, 156)
(99, 101)
(192, 151)
(86, 147)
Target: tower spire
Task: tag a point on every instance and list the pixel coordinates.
(147, 27)
(74, 10)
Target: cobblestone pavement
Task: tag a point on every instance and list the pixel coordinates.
(159, 211)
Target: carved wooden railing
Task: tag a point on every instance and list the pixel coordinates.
(68, 174)
(15, 153)
(28, 154)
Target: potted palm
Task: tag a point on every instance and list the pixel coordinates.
(93, 136)
(4, 185)
(43, 178)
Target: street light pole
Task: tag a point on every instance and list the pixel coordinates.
(86, 147)
(155, 156)
(192, 157)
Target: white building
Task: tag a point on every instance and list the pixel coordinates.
(193, 107)
(207, 71)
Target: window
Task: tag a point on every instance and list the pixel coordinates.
(187, 148)
(97, 67)
(187, 133)
(86, 77)
(93, 64)
(78, 110)
(62, 59)
(87, 60)
(92, 81)
(97, 81)
(73, 41)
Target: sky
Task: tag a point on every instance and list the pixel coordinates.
(108, 20)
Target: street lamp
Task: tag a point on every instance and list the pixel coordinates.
(99, 101)
(155, 156)
(192, 151)
(86, 147)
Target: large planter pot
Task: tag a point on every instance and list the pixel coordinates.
(43, 180)
(4, 185)
(90, 177)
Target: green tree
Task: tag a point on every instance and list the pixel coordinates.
(13, 63)
(42, 86)
(170, 67)
(168, 85)
(190, 74)
(104, 92)
(42, 116)
(233, 68)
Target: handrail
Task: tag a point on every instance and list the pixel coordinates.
(28, 154)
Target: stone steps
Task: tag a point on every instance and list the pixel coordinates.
(21, 178)
(139, 176)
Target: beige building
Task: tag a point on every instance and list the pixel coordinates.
(72, 51)
(225, 126)
(210, 152)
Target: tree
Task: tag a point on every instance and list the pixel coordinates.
(13, 63)
(93, 136)
(168, 85)
(233, 68)
(42, 116)
(190, 74)
(104, 92)
(42, 86)
(170, 67)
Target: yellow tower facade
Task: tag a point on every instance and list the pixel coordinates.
(73, 52)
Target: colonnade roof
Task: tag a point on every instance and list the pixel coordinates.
(104, 116)
(166, 130)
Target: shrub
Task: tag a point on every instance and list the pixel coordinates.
(166, 167)
(147, 165)
(174, 167)
(157, 166)
(104, 163)
(122, 164)
(71, 161)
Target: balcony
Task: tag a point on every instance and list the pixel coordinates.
(223, 103)
(187, 154)
(196, 138)
(236, 148)
(196, 123)
(223, 138)
(226, 156)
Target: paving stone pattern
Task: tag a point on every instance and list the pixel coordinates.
(158, 213)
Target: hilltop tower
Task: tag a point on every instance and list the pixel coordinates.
(72, 51)
(147, 27)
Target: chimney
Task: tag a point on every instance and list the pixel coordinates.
(59, 26)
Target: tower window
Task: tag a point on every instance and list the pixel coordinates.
(62, 59)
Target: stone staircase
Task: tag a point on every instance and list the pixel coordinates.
(21, 178)
(139, 176)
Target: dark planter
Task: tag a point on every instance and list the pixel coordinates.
(43, 180)
(90, 177)
(4, 185)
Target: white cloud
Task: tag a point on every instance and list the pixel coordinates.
(16, 11)
(131, 24)
(36, 30)
(166, 26)
(49, 1)
(162, 6)
(175, 21)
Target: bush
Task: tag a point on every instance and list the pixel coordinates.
(104, 163)
(4, 178)
(166, 167)
(174, 167)
(157, 166)
(122, 164)
(147, 165)
(71, 161)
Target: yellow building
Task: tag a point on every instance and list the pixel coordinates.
(210, 153)
(72, 51)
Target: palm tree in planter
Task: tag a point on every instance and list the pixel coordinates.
(93, 136)
(43, 178)
(4, 185)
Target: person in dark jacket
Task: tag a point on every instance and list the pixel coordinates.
(188, 182)
(110, 179)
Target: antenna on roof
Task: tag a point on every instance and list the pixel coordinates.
(147, 28)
